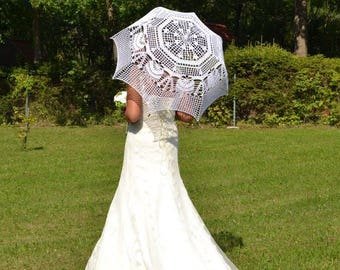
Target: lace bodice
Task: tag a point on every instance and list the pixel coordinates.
(161, 124)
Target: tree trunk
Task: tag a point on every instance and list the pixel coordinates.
(110, 14)
(27, 124)
(36, 37)
(238, 12)
(300, 20)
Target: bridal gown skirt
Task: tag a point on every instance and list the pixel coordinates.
(152, 223)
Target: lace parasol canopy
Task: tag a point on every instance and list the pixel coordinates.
(173, 60)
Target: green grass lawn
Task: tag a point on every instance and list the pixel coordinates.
(277, 189)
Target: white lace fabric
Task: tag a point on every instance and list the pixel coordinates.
(152, 223)
(161, 124)
(173, 60)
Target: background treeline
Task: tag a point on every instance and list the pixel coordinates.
(272, 87)
(65, 60)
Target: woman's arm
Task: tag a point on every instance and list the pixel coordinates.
(133, 111)
(184, 117)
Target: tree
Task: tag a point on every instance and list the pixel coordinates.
(300, 20)
(36, 34)
(324, 27)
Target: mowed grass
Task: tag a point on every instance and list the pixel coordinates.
(278, 189)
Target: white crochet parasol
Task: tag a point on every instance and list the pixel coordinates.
(173, 60)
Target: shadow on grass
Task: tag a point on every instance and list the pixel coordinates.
(34, 148)
(227, 241)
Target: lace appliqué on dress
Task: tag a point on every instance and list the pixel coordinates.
(161, 123)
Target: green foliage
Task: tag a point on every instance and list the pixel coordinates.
(23, 122)
(87, 91)
(72, 85)
(324, 27)
(116, 116)
(80, 29)
(5, 98)
(23, 82)
(274, 87)
(219, 113)
(62, 93)
(316, 93)
(15, 18)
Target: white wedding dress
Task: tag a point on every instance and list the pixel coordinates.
(152, 223)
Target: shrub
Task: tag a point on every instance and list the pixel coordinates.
(274, 87)
(219, 112)
(68, 93)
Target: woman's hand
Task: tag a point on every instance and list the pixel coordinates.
(184, 117)
(133, 111)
